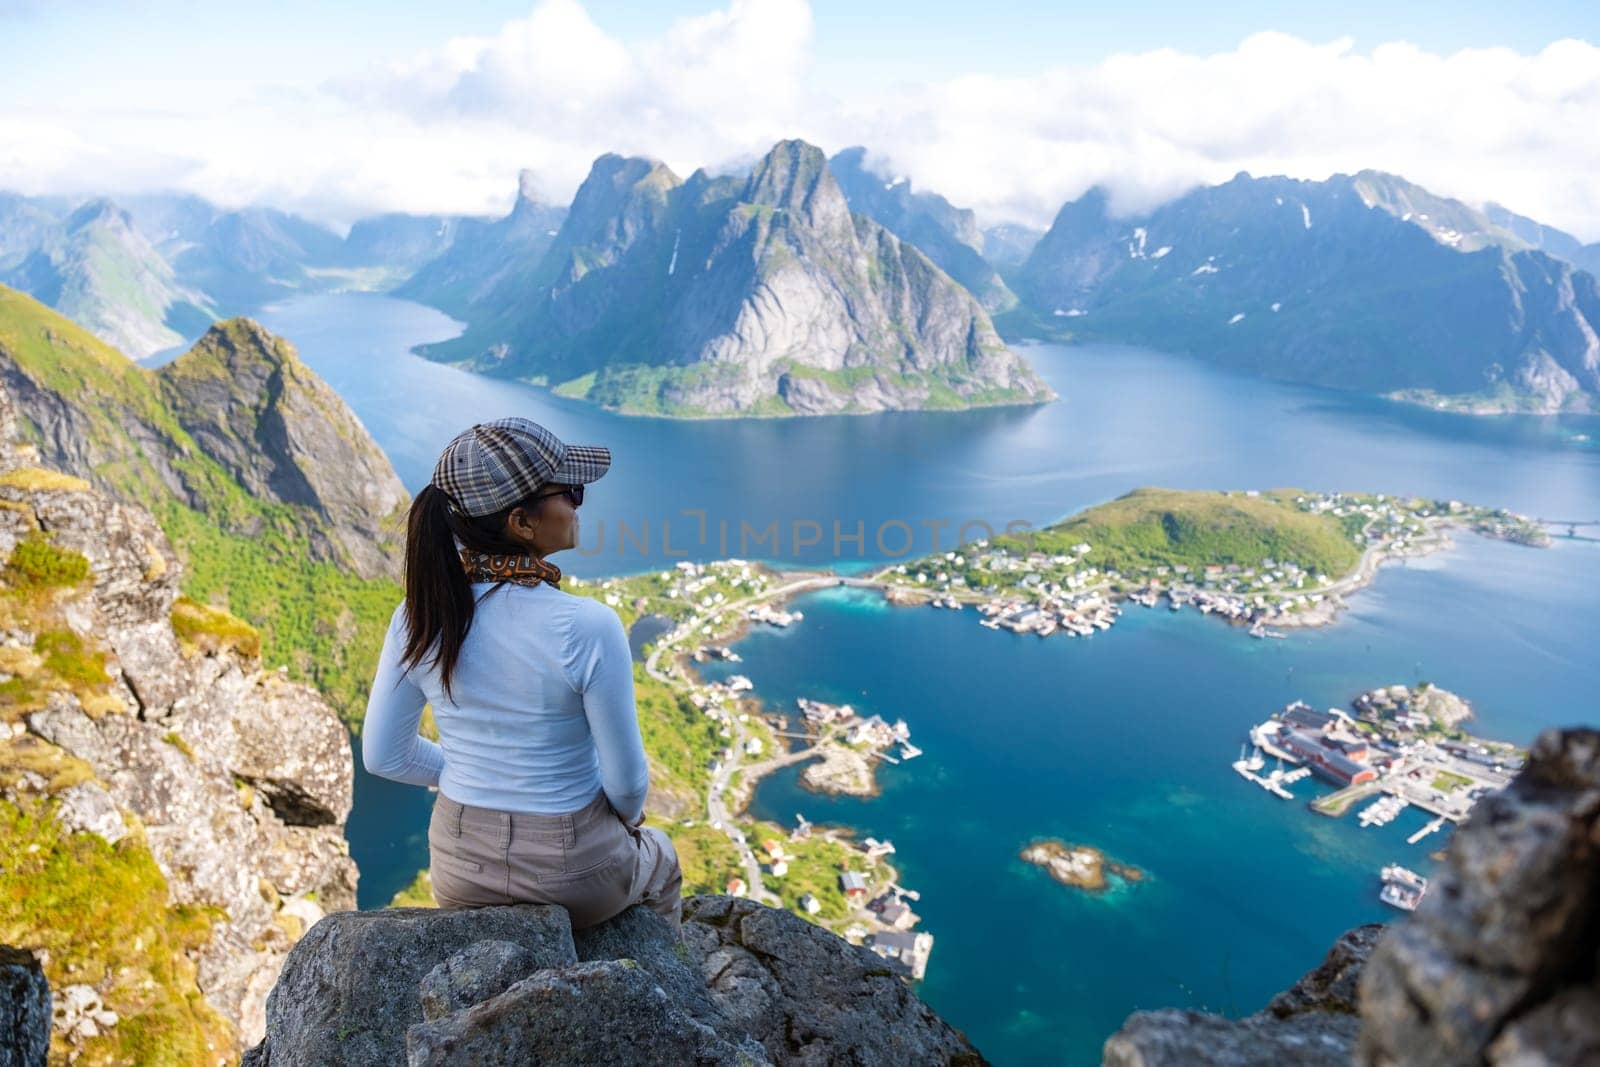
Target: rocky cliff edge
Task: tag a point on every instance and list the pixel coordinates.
(132, 717)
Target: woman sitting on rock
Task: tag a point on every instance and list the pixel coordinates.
(540, 767)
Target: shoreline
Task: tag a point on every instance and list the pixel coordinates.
(792, 584)
(728, 622)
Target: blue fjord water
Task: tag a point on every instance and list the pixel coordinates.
(1122, 740)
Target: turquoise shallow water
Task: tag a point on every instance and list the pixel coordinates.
(1122, 740)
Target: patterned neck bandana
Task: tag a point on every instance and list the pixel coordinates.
(523, 570)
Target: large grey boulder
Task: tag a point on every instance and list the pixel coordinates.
(1172, 1038)
(24, 1009)
(747, 984)
(350, 987)
(1500, 959)
(474, 975)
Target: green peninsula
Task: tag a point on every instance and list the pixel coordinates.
(1281, 557)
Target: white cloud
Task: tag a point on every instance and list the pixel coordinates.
(447, 130)
(1477, 124)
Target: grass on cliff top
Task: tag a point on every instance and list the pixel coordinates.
(1163, 527)
(101, 912)
(419, 894)
(36, 561)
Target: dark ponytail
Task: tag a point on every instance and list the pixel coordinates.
(439, 603)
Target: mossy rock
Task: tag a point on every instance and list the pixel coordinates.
(202, 628)
(37, 562)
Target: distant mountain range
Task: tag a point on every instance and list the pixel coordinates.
(150, 273)
(761, 294)
(1363, 282)
(810, 285)
(95, 267)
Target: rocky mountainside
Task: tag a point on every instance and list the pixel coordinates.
(755, 295)
(281, 505)
(1361, 282)
(946, 234)
(1499, 965)
(96, 268)
(247, 401)
(488, 265)
(745, 985)
(173, 814)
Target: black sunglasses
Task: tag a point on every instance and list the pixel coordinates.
(573, 493)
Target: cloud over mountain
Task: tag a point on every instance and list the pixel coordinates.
(444, 130)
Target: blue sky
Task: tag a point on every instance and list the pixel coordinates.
(341, 108)
(67, 46)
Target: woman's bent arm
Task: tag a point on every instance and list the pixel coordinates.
(605, 671)
(390, 745)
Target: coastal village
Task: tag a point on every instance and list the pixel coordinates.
(1075, 591)
(1399, 747)
(820, 873)
(1042, 584)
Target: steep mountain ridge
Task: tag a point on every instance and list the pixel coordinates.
(486, 262)
(283, 434)
(757, 296)
(238, 408)
(1337, 283)
(946, 234)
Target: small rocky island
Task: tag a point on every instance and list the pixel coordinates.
(1080, 866)
(841, 770)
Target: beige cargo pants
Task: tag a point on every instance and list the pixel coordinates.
(590, 862)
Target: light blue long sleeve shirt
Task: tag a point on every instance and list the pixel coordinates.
(543, 711)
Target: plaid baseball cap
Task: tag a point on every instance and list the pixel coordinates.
(497, 464)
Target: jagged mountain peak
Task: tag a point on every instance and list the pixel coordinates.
(794, 177)
(616, 201)
(283, 433)
(99, 210)
(621, 173)
(732, 294)
(234, 347)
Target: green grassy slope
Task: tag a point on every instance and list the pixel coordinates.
(1164, 527)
